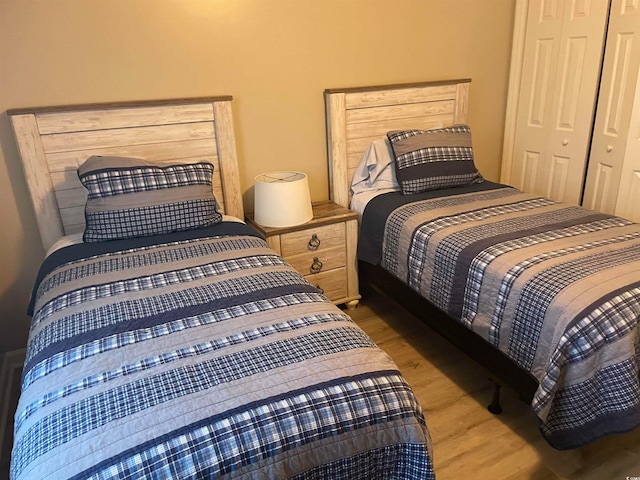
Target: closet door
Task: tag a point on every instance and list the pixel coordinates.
(561, 58)
(613, 176)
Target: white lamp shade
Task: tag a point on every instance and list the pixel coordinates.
(282, 199)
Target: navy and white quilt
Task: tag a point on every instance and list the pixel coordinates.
(556, 287)
(204, 355)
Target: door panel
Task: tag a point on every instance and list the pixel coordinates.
(611, 184)
(562, 57)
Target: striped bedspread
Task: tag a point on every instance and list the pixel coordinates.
(555, 287)
(204, 355)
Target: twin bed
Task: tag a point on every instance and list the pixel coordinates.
(173, 342)
(544, 295)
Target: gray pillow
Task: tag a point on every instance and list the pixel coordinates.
(130, 197)
(433, 159)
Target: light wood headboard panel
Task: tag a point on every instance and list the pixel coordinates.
(54, 141)
(357, 116)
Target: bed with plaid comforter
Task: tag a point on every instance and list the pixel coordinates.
(555, 287)
(204, 355)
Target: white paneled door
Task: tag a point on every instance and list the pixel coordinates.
(613, 176)
(560, 69)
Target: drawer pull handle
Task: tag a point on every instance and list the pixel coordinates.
(316, 266)
(320, 288)
(314, 243)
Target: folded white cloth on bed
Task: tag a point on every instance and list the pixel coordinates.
(374, 175)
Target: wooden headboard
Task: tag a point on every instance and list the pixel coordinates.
(54, 141)
(357, 116)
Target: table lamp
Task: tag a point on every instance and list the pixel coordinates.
(282, 199)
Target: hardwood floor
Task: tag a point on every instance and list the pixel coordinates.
(469, 442)
(10, 373)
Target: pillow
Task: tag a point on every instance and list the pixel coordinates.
(375, 170)
(130, 197)
(434, 159)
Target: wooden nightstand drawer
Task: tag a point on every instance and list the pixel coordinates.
(313, 240)
(322, 249)
(332, 282)
(319, 261)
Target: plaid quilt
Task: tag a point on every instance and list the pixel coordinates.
(555, 287)
(204, 355)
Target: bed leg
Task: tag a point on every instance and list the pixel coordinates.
(495, 407)
(352, 304)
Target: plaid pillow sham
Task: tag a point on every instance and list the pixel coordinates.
(130, 197)
(434, 159)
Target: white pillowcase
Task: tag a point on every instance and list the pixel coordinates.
(65, 241)
(376, 170)
(375, 175)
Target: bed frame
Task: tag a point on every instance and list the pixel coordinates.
(54, 141)
(354, 118)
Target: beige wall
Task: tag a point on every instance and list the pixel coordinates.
(274, 56)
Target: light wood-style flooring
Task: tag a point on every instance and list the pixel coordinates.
(468, 441)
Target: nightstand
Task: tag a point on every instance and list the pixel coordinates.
(323, 250)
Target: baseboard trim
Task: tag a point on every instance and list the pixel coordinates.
(11, 366)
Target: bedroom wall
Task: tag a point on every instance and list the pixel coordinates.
(274, 56)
